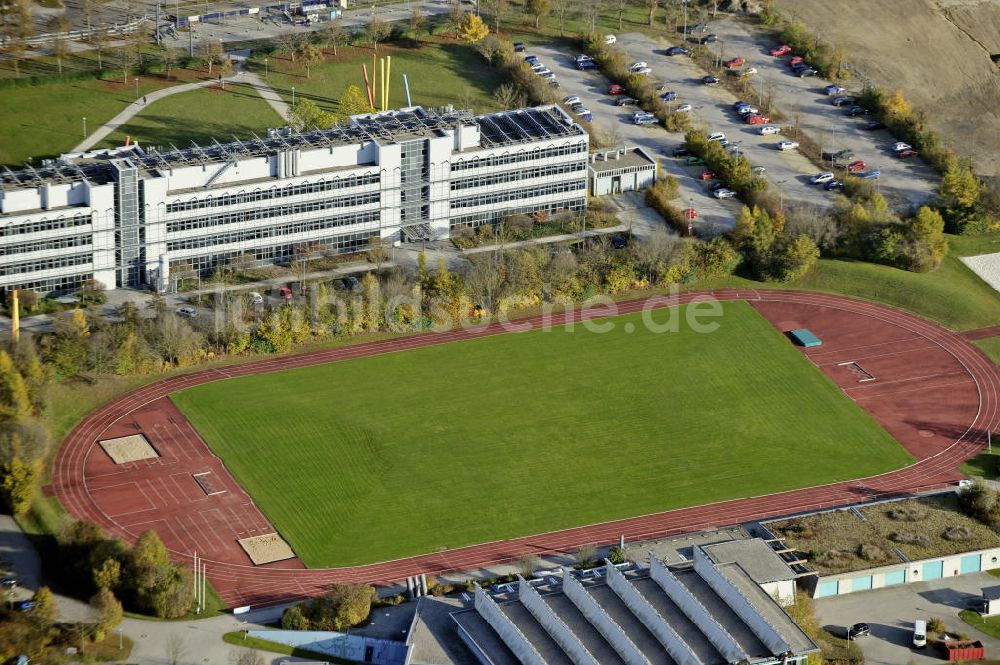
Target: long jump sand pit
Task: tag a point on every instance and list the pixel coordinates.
(266, 548)
(132, 448)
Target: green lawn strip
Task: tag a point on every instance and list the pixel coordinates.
(47, 120)
(991, 347)
(199, 115)
(519, 434)
(214, 606)
(989, 625)
(438, 74)
(983, 465)
(237, 638)
(952, 295)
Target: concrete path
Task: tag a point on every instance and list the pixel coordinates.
(267, 93)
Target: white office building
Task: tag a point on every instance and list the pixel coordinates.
(127, 217)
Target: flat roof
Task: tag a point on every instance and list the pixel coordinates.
(754, 556)
(631, 158)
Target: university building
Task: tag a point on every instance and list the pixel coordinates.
(126, 217)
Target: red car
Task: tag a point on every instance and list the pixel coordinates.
(781, 50)
(796, 60)
(738, 61)
(706, 175)
(854, 167)
(616, 89)
(286, 293)
(758, 120)
(690, 213)
(909, 152)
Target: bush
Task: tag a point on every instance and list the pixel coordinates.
(907, 514)
(294, 619)
(344, 606)
(957, 533)
(907, 538)
(617, 555)
(872, 553)
(658, 197)
(936, 625)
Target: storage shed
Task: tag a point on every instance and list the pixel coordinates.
(620, 170)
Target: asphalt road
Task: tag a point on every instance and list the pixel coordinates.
(713, 107)
(904, 183)
(591, 87)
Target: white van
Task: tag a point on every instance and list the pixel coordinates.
(919, 633)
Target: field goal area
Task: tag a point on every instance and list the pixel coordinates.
(855, 368)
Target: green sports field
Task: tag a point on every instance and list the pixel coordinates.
(406, 453)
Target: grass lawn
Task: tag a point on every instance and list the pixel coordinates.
(199, 115)
(239, 639)
(952, 295)
(983, 465)
(47, 120)
(991, 347)
(989, 625)
(439, 73)
(435, 448)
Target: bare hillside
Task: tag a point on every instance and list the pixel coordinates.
(939, 53)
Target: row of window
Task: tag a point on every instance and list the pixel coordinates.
(273, 231)
(522, 174)
(47, 245)
(496, 216)
(52, 286)
(275, 211)
(274, 193)
(44, 264)
(45, 225)
(350, 242)
(517, 194)
(529, 155)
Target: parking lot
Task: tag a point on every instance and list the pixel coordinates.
(592, 88)
(891, 613)
(903, 182)
(713, 107)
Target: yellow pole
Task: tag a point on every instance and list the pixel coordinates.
(381, 64)
(15, 317)
(388, 78)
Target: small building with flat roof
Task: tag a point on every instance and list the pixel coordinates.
(760, 562)
(620, 170)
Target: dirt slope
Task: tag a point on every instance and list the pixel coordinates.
(938, 52)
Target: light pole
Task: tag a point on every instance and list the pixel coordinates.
(119, 631)
(137, 89)
(265, 69)
(84, 126)
(293, 95)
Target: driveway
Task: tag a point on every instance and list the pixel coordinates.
(891, 612)
(788, 171)
(591, 87)
(904, 183)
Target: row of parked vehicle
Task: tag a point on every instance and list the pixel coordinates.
(541, 70)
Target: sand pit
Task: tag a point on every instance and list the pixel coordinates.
(132, 448)
(266, 548)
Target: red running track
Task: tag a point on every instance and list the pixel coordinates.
(941, 428)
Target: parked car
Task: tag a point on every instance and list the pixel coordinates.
(626, 101)
(680, 151)
(24, 605)
(838, 156)
(684, 108)
(694, 159)
(787, 145)
(554, 84)
(642, 70)
(781, 50)
(8, 582)
(586, 64)
(738, 61)
(518, 47)
(796, 60)
(833, 185)
(758, 171)
(644, 119)
(758, 119)
(256, 298)
(186, 312)
(723, 193)
(690, 213)
(899, 146)
(709, 39)
(544, 71)
(610, 39)
(537, 66)
(854, 167)
(709, 80)
(873, 125)
(581, 57)
(677, 50)
(769, 129)
(833, 89)
(616, 89)
(858, 630)
(747, 110)
(749, 71)
(706, 175)
(638, 64)
(572, 99)
(531, 59)
(808, 71)
(820, 178)
(857, 110)
(738, 104)
(669, 96)
(870, 175)
(906, 154)
(843, 100)
(286, 294)
(586, 116)
(551, 76)
(716, 136)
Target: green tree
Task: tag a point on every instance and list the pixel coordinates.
(344, 606)
(377, 31)
(930, 244)
(108, 575)
(960, 186)
(15, 401)
(294, 619)
(472, 29)
(309, 55)
(275, 333)
(539, 9)
(108, 608)
(798, 256)
(306, 115)
(18, 486)
(45, 611)
(417, 21)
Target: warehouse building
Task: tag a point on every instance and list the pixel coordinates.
(696, 613)
(621, 170)
(129, 217)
